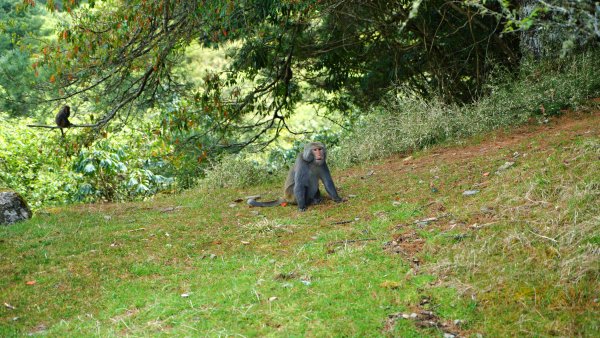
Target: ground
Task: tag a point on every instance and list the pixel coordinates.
(407, 253)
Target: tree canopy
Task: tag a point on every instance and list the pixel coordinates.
(17, 29)
(119, 58)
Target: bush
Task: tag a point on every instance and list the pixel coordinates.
(107, 173)
(31, 167)
(235, 171)
(49, 170)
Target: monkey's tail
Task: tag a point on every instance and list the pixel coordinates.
(254, 203)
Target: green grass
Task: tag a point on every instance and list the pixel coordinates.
(520, 258)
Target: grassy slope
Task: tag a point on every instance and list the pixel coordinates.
(519, 257)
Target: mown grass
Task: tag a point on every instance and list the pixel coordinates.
(518, 258)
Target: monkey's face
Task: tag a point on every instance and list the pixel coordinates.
(318, 154)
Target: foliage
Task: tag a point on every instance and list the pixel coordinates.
(121, 55)
(104, 175)
(403, 123)
(235, 171)
(19, 33)
(31, 167)
(194, 148)
(48, 170)
(551, 27)
(186, 133)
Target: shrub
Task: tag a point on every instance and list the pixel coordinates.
(48, 170)
(106, 173)
(31, 167)
(235, 171)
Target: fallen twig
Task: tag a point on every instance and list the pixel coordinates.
(544, 237)
(352, 241)
(341, 222)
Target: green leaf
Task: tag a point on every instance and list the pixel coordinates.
(141, 189)
(89, 168)
(132, 182)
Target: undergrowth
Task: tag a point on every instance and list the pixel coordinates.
(402, 124)
(235, 171)
(49, 170)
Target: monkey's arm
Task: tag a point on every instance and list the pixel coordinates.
(300, 194)
(328, 183)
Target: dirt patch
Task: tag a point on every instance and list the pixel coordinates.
(425, 319)
(127, 314)
(407, 244)
(38, 329)
(286, 276)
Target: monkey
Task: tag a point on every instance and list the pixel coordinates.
(62, 119)
(302, 184)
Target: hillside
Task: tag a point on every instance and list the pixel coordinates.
(496, 235)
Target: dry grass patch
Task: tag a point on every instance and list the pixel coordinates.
(536, 264)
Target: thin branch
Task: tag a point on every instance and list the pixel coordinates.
(57, 127)
(132, 97)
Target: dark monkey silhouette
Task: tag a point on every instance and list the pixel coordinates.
(302, 184)
(62, 119)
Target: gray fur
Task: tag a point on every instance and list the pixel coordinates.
(302, 184)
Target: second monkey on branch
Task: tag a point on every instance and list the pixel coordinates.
(302, 184)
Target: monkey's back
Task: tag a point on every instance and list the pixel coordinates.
(288, 187)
